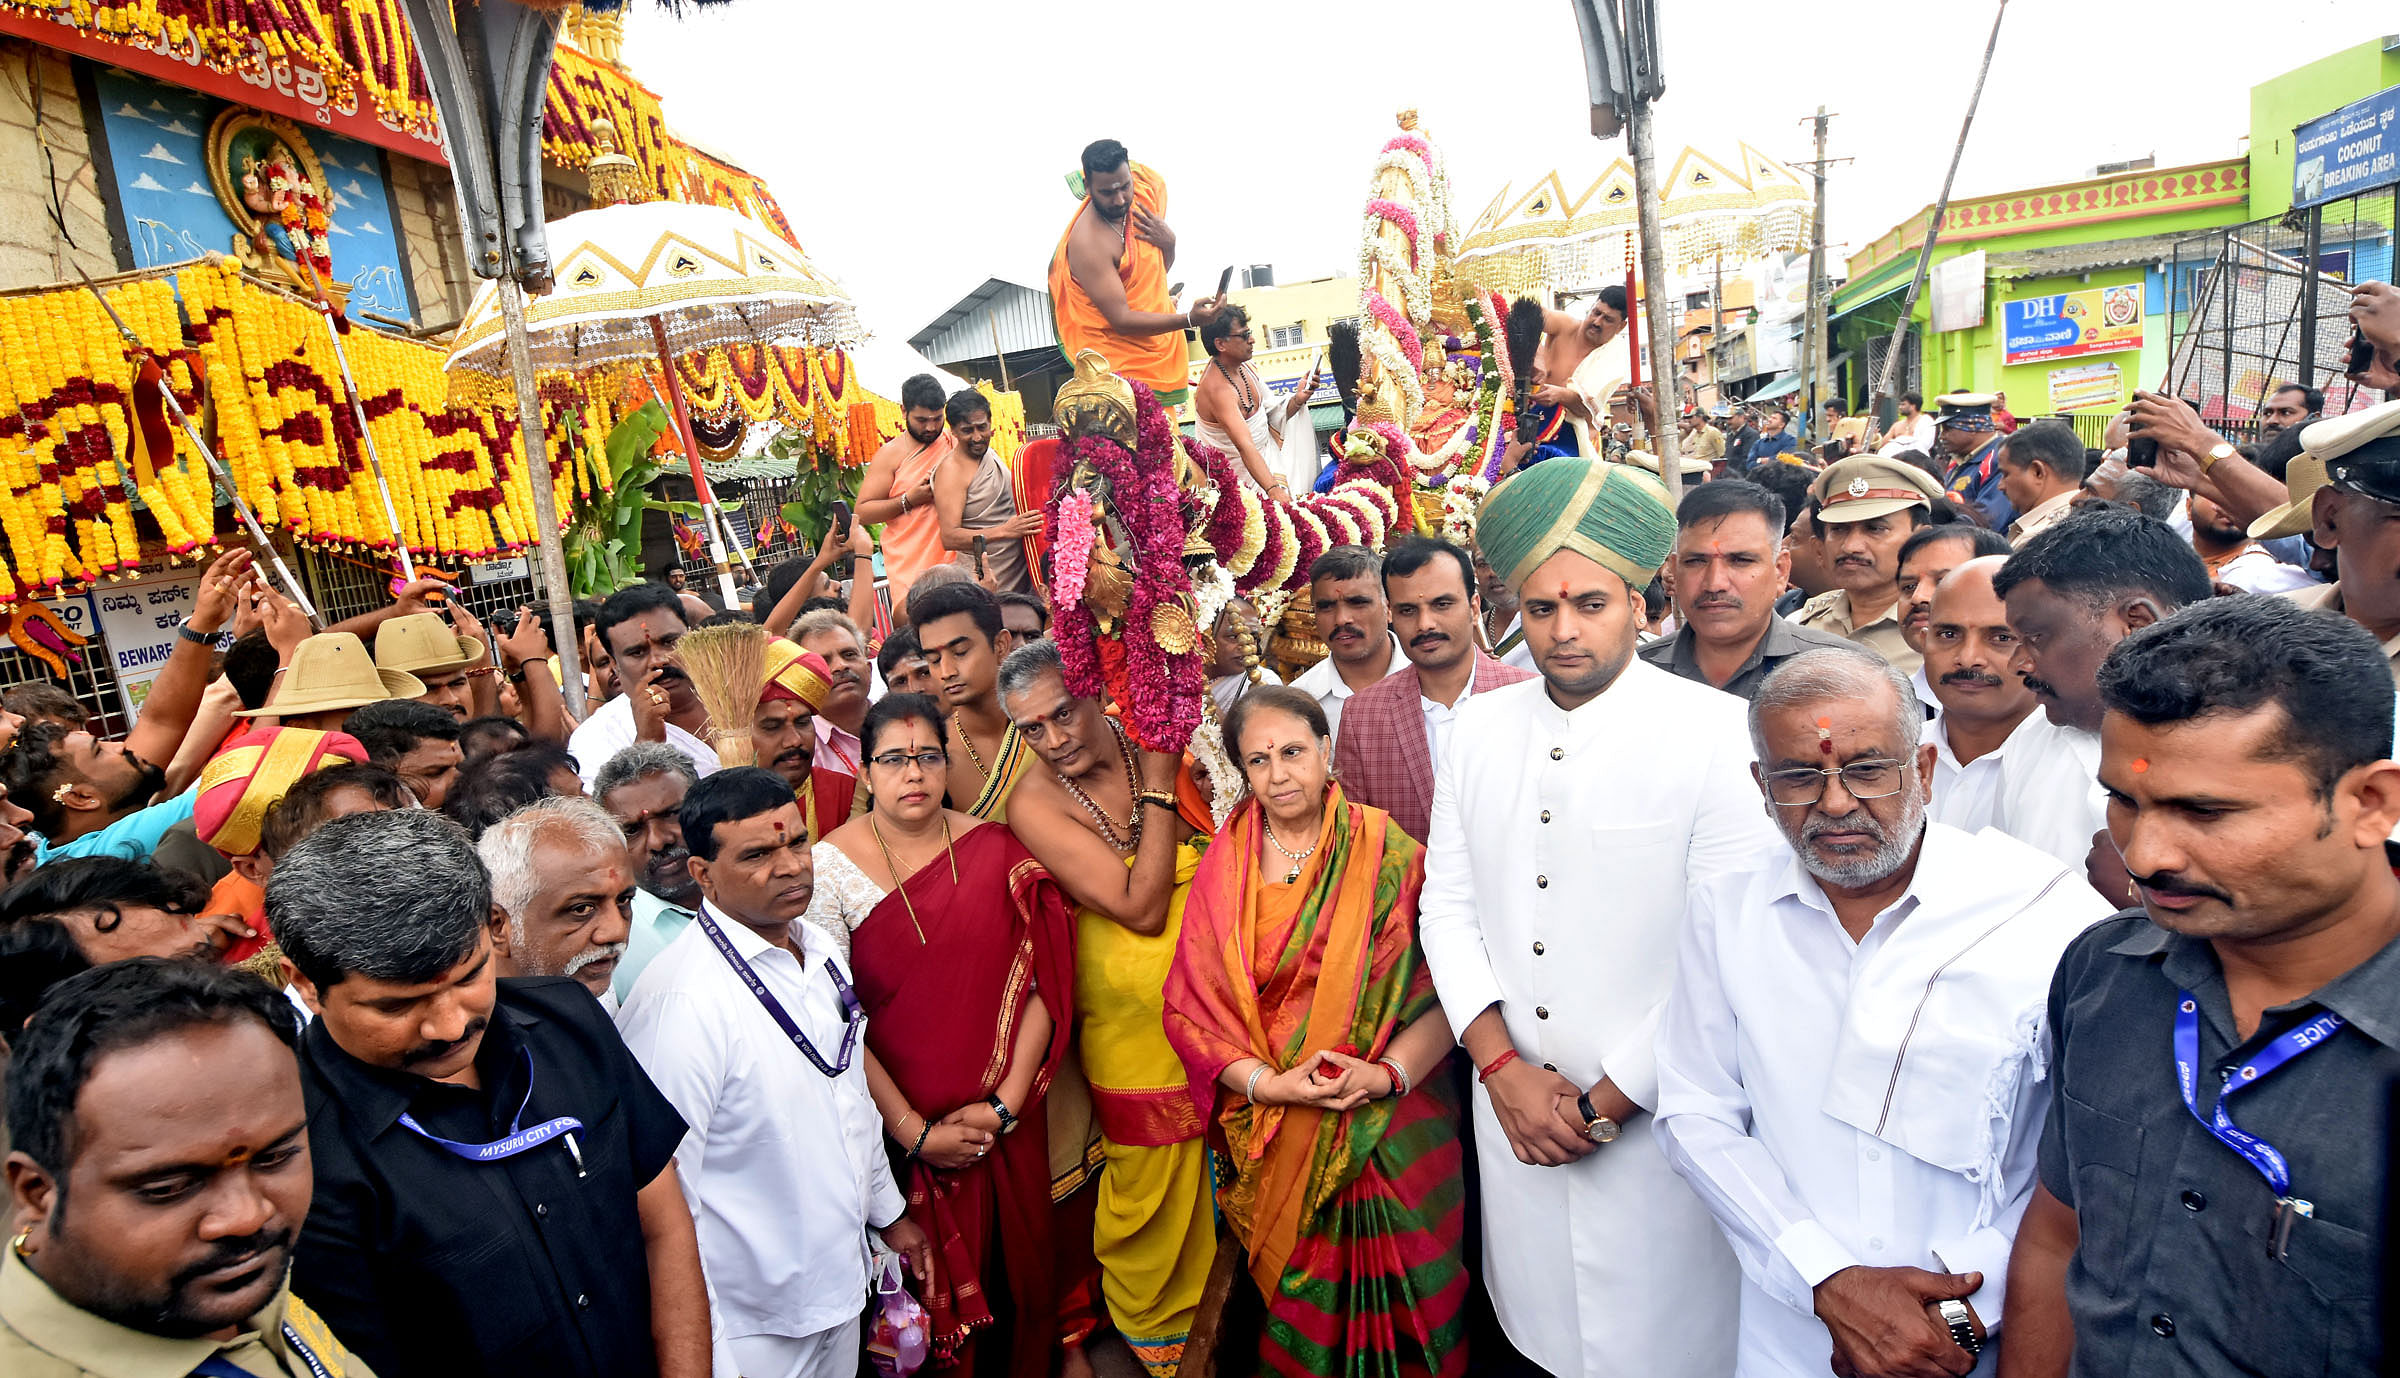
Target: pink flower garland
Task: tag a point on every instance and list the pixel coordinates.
(1412, 345)
(1162, 690)
(1413, 144)
(1224, 529)
(1401, 216)
(1508, 389)
(1072, 538)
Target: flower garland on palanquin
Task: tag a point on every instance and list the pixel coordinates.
(1147, 658)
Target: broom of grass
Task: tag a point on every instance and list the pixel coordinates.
(727, 665)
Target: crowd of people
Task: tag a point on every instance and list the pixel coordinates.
(1916, 905)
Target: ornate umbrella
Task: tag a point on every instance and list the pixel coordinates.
(639, 284)
(1738, 202)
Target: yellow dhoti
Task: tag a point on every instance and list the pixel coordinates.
(1155, 1234)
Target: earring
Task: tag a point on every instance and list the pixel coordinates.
(18, 1244)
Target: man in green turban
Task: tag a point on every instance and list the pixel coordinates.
(1569, 813)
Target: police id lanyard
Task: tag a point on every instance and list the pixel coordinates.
(218, 1366)
(518, 1140)
(2256, 1151)
(851, 1009)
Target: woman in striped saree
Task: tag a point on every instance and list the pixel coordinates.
(1302, 1008)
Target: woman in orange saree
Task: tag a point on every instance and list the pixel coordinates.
(965, 965)
(1302, 1008)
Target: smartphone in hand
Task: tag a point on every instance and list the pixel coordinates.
(1225, 280)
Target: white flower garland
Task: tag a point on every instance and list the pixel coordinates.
(1379, 342)
(1225, 780)
(1462, 498)
(1212, 589)
(1254, 530)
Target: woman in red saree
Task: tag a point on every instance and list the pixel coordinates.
(965, 965)
(1301, 1005)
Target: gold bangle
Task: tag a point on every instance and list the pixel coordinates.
(1159, 797)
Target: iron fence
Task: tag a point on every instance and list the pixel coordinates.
(2256, 306)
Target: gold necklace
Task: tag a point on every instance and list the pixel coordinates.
(900, 882)
(969, 742)
(1131, 836)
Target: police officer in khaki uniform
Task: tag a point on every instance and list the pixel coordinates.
(164, 1099)
(1866, 507)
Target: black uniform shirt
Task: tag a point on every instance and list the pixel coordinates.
(425, 1262)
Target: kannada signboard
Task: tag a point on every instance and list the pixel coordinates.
(2086, 385)
(2348, 151)
(2096, 320)
(138, 618)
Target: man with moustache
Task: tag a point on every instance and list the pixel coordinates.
(2213, 1170)
(1866, 508)
(1151, 1214)
(1867, 1164)
(1996, 762)
(562, 892)
(640, 627)
(958, 625)
(1608, 781)
(643, 788)
(2236, 561)
(2073, 592)
(1401, 725)
(2041, 471)
(896, 491)
(1345, 589)
(974, 497)
(1503, 625)
(832, 637)
(2345, 493)
(1108, 277)
(1729, 568)
(495, 1186)
(783, 736)
(1929, 553)
(163, 1098)
(748, 1026)
(1970, 444)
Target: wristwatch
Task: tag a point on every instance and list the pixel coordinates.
(1954, 1313)
(196, 636)
(1008, 1117)
(2220, 450)
(1598, 1128)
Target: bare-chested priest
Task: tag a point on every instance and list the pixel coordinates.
(1577, 378)
(1108, 277)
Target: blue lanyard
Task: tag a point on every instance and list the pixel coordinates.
(218, 1366)
(851, 1009)
(519, 1138)
(2287, 1045)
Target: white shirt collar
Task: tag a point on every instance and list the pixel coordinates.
(1433, 705)
(1325, 677)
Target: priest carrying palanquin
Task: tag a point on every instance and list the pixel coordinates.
(1108, 277)
(1569, 814)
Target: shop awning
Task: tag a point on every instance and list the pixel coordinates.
(1899, 289)
(1783, 386)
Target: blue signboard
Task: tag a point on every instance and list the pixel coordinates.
(2068, 325)
(157, 143)
(2348, 151)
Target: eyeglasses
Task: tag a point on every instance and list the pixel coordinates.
(898, 760)
(1805, 785)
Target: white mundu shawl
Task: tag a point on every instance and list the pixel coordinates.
(1289, 450)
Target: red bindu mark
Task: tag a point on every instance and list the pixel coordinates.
(1562, 591)
(1825, 735)
(2141, 765)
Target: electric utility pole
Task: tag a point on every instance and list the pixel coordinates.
(1621, 72)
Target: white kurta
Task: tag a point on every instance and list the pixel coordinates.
(1877, 1102)
(1562, 847)
(2041, 787)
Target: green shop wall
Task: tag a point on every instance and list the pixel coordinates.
(2280, 104)
(2093, 211)
(2028, 385)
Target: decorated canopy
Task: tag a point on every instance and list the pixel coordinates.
(715, 276)
(1737, 202)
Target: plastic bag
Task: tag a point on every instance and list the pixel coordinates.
(900, 1336)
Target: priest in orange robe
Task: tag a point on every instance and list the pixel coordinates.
(1109, 283)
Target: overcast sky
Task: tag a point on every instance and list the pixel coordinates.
(920, 147)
